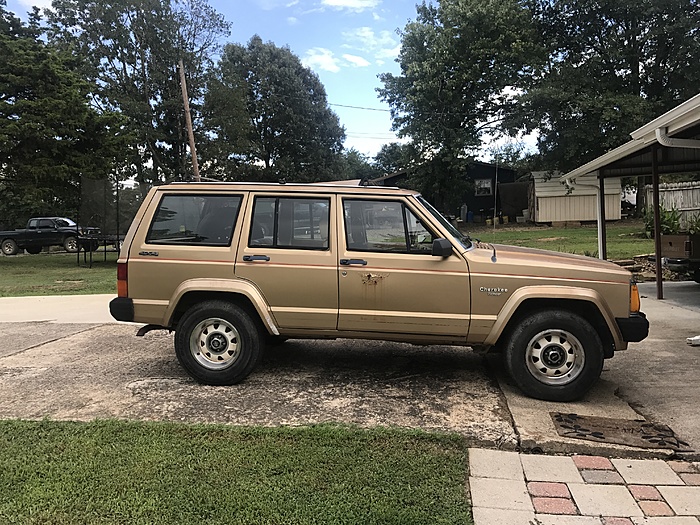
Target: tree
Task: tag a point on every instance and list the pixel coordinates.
(357, 166)
(612, 66)
(289, 130)
(50, 137)
(132, 48)
(394, 157)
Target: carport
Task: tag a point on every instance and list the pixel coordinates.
(668, 144)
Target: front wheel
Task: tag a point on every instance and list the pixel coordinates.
(9, 247)
(554, 355)
(217, 343)
(71, 244)
(34, 250)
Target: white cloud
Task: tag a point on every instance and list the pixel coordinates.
(292, 20)
(269, 5)
(391, 53)
(39, 3)
(356, 61)
(365, 38)
(351, 5)
(321, 58)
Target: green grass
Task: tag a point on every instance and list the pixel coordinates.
(57, 274)
(625, 239)
(164, 473)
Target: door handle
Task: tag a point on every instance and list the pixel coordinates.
(351, 262)
(251, 258)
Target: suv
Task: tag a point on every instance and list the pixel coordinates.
(231, 266)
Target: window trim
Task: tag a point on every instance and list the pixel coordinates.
(161, 242)
(404, 207)
(275, 225)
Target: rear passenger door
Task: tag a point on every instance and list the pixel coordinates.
(289, 251)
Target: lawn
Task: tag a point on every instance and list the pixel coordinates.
(625, 239)
(57, 274)
(165, 473)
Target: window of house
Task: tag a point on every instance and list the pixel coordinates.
(195, 219)
(384, 226)
(290, 222)
(483, 187)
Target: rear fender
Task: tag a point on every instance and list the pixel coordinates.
(219, 286)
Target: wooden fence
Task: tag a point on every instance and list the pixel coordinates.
(681, 196)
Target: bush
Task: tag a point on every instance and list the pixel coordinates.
(670, 221)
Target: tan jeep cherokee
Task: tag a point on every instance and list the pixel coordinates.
(229, 266)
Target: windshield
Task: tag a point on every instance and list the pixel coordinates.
(463, 239)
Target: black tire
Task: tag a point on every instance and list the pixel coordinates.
(34, 250)
(218, 343)
(554, 355)
(70, 244)
(9, 247)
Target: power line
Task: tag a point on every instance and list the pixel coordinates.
(360, 107)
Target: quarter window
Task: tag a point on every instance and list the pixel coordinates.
(384, 226)
(195, 220)
(290, 222)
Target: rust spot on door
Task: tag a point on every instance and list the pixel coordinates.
(372, 279)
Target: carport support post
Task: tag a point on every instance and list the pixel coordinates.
(657, 219)
(602, 231)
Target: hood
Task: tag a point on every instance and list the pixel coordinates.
(544, 263)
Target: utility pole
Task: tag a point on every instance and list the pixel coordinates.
(188, 121)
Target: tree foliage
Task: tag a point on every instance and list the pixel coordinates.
(582, 73)
(612, 66)
(132, 49)
(277, 123)
(50, 137)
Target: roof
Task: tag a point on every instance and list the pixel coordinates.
(634, 158)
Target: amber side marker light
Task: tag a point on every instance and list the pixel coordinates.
(122, 275)
(635, 303)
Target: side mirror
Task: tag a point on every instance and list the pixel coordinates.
(442, 248)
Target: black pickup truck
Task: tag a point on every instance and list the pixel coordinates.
(44, 231)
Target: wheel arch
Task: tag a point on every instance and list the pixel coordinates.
(581, 301)
(241, 293)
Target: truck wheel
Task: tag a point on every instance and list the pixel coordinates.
(34, 250)
(9, 247)
(71, 244)
(554, 355)
(217, 343)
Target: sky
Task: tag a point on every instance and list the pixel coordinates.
(346, 42)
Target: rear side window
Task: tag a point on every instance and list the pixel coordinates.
(195, 220)
(290, 222)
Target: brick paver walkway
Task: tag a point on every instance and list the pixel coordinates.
(508, 488)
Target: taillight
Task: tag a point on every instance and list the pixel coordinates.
(122, 280)
(635, 302)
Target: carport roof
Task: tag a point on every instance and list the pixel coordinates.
(635, 157)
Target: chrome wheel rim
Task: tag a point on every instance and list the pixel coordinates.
(7, 248)
(215, 344)
(555, 357)
(72, 245)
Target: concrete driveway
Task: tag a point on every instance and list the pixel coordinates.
(64, 361)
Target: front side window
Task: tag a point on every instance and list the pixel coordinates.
(195, 220)
(384, 226)
(290, 222)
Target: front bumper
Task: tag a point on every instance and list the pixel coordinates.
(634, 328)
(122, 309)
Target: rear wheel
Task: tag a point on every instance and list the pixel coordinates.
(554, 355)
(217, 343)
(9, 247)
(71, 244)
(34, 250)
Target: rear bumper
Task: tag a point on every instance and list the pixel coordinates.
(634, 328)
(122, 309)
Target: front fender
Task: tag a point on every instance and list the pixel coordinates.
(232, 286)
(566, 293)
